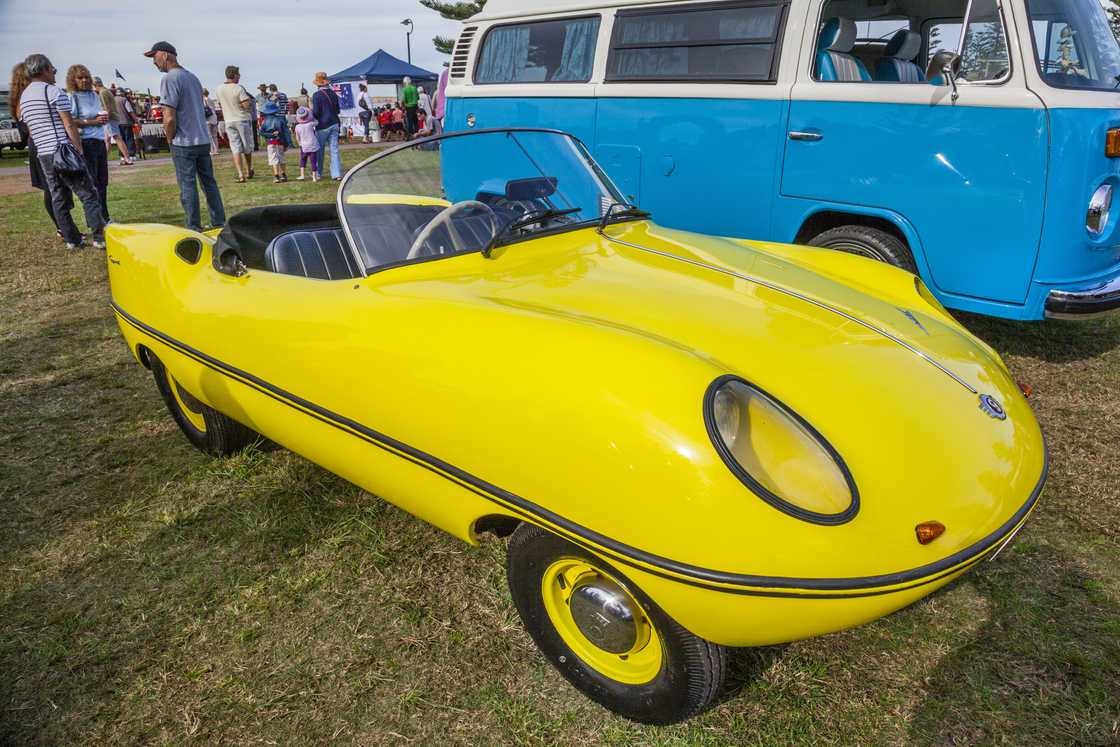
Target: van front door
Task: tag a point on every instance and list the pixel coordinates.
(968, 175)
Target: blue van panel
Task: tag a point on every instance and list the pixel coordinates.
(971, 180)
(1069, 253)
(572, 115)
(707, 165)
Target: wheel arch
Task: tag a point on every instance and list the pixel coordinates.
(500, 525)
(825, 217)
(143, 355)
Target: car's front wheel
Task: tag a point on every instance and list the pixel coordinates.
(605, 636)
(207, 429)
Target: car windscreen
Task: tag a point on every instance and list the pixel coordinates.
(465, 191)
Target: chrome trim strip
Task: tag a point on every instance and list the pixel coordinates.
(1083, 304)
(807, 299)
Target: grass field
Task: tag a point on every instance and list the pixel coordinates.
(151, 594)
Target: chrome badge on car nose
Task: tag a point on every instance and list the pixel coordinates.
(992, 407)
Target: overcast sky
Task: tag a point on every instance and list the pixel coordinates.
(282, 42)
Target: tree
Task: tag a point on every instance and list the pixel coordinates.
(1112, 7)
(453, 11)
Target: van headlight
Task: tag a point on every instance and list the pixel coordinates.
(777, 454)
(1096, 218)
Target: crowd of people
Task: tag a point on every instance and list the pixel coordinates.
(72, 130)
(414, 115)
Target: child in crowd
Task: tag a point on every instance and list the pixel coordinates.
(384, 121)
(274, 129)
(308, 143)
(398, 122)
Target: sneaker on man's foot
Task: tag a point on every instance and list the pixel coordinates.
(74, 247)
(98, 244)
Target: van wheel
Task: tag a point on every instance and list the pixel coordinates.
(605, 636)
(867, 242)
(207, 429)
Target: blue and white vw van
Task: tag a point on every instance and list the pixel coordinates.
(976, 142)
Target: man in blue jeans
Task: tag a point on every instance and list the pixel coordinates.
(184, 122)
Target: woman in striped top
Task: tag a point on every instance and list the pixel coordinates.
(45, 109)
(20, 81)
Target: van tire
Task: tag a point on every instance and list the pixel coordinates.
(865, 241)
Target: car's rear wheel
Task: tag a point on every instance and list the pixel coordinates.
(207, 429)
(605, 636)
(867, 242)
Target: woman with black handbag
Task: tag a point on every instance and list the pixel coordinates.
(45, 109)
(19, 82)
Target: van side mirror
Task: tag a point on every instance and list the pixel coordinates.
(944, 67)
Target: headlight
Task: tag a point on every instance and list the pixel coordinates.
(777, 454)
(1096, 218)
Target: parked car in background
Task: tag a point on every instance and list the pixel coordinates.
(975, 143)
(10, 136)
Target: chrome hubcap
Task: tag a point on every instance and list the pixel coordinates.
(602, 612)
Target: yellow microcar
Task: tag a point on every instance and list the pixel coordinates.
(695, 442)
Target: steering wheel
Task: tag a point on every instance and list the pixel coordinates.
(444, 217)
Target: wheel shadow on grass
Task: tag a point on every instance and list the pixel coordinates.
(745, 666)
(1055, 341)
(1043, 669)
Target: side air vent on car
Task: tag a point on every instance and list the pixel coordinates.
(461, 52)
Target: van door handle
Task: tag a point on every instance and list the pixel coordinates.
(797, 135)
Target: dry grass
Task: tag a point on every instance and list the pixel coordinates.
(149, 594)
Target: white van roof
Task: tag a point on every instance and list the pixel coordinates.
(522, 8)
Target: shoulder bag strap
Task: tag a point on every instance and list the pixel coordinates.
(54, 125)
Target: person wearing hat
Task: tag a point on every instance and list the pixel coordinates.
(325, 107)
(308, 143)
(274, 129)
(184, 123)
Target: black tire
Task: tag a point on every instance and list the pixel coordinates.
(222, 435)
(867, 242)
(692, 670)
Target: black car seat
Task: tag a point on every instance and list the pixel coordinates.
(320, 253)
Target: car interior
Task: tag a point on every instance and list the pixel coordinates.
(885, 41)
(309, 241)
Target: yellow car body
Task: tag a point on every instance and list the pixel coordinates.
(561, 382)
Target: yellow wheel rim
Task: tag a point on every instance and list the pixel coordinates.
(601, 622)
(182, 397)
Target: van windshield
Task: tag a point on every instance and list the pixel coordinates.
(1074, 44)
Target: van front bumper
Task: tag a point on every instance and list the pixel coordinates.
(1082, 304)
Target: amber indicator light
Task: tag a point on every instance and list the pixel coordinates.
(1026, 389)
(928, 531)
(1112, 143)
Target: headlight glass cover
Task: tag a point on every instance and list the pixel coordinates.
(777, 454)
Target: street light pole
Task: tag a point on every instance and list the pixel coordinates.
(408, 38)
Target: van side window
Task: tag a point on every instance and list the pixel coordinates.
(984, 51)
(729, 42)
(942, 36)
(542, 52)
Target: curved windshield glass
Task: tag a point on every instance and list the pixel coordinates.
(1074, 44)
(466, 192)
